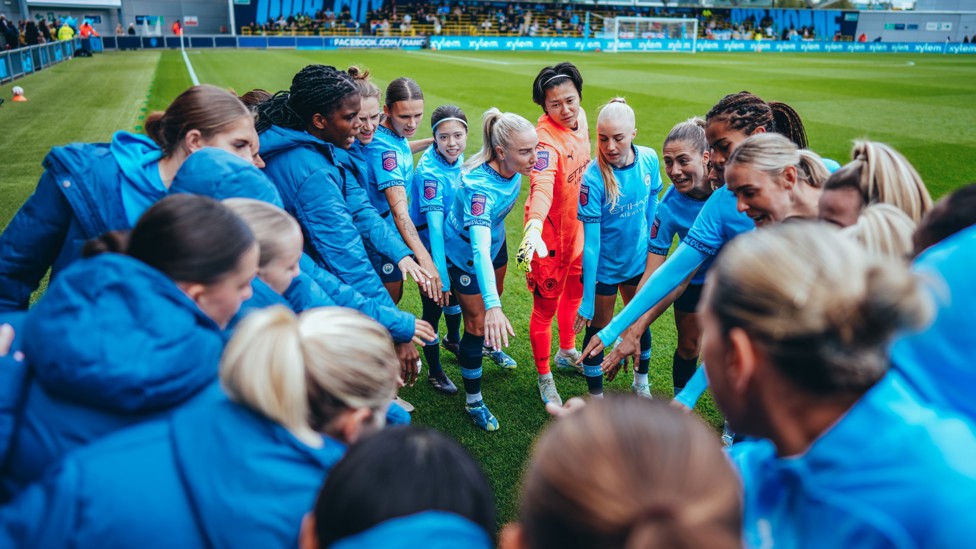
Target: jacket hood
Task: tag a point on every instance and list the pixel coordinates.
(277, 140)
(115, 334)
(134, 154)
(219, 174)
(248, 479)
(427, 530)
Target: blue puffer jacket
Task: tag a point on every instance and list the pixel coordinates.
(375, 230)
(214, 475)
(13, 379)
(113, 342)
(87, 189)
(220, 175)
(311, 184)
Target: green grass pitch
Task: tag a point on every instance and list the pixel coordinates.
(924, 105)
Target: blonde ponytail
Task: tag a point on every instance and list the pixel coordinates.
(303, 372)
(618, 110)
(498, 129)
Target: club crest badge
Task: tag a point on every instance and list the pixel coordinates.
(465, 280)
(647, 180)
(389, 161)
(542, 160)
(478, 204)
(430, 188)
(584, 195)
(387, 268)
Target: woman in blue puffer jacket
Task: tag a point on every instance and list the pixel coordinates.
(89, 189)
(226, 473)
(220, 175)
(120, 339)
(301, 131)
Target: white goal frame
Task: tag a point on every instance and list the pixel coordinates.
(686, 25)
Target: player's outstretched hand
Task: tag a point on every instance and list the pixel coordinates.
(497, 329)
(6, 338)
(532, 245)
(580, 323)
(409, 362)
(423, 332)
(627, 348)
(594, 348)
(572, 405)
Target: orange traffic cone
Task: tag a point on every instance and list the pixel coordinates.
(18, 94)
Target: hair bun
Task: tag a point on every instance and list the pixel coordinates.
(618, 100)
(116, 242)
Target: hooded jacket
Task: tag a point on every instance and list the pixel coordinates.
(113, 343)
(87, 189)
(214, 475)
(220, 175)
(312, 185)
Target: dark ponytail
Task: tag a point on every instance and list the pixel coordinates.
(189, 238)
(787, 122)
(316, 89)
(402, 89)
(114, 242)
(205, 108)
(745, 112)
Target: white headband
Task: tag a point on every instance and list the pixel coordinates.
(546, 83)
(446, 119)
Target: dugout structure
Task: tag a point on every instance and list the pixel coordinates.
(636, 29)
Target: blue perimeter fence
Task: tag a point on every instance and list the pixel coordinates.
(470, 43)
(17, 63)
(23, 61)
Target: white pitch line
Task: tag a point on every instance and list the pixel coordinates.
(189, 66)
(475, 59)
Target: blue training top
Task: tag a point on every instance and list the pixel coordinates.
(718, 222)
(675, 215)
(938, 361)
(624, 227)
(435, 184)
(483, 200)
(390, 164)
(891, 472)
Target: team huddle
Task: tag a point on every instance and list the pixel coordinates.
(256, 248)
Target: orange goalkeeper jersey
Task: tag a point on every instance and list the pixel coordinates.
(555, 185)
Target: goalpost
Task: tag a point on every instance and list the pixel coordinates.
(651, 28)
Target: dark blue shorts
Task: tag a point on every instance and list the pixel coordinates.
(687, 302)
(466, 283)
(611, 289)
(384, 266)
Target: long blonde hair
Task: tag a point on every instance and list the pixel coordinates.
(772, 153)
(618, 110)
(882, 174)
(270, 224)
(821, 308)
(498, 129)
(304, 371)
(883, 229)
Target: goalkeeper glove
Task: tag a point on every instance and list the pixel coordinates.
(532, 245)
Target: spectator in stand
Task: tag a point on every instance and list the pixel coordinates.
(66, 32)
(132, 29)
(45, 31)
(119, 30)
(31, 34)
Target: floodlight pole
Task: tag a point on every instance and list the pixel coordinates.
(233, 23)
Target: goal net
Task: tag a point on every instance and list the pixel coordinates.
(667, 34)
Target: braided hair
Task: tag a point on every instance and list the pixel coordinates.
(745, 112)
(316, 89)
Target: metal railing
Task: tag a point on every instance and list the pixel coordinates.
(21, 62)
